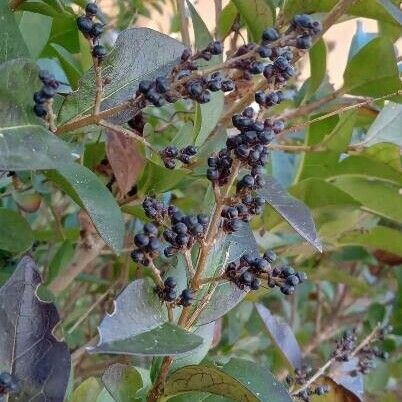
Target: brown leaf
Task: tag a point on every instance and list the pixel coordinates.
(124, 159)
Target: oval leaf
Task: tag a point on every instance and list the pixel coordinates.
(292, 210)
(282, 335)
(139, 53)
(28, 348)
(142, 328)
(239, 380)
(90, 193)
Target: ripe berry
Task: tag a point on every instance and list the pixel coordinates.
(144, 86)
(270, 35)
(255, 284)
(260, 97)
(246, 278)
(170, 251)
(204, 97)
(154, 245)
(215, 48)
(99, 52)
(170, 282)
(287, 271)
(247, 181)
(137, 256)
(302, 20)
(190, 150)
(203, 219)
(141, 240)
(150, 229)
(182, 239)
(265, 52)
(38, 98)
(228, 85)
(97, 30)
(186, 54)
(91, 9)
(301, 276)
(180, 228)
(304, 42)
(186, 297)
(281, 63)
(212, 174)
(170, 296)
(287, 290)
(292, 280)
(256, 67)
(162, 84)
(40, 110)
(85, 25)
(47, 92)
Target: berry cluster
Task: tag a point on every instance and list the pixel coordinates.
(305, 27)
(168, 293)
(92, 30)
(157, 92)
(8, 384)
(185, 230)
(154, 209)
(170, 154)
(148, 245)
(43, 97)
(248, 272)
(242, 211)
(307, 393)
(366, 355)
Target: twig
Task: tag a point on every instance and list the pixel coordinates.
(185, 34)
(218, 11)
(99, 85)
(366, 341)
(84, 254)
(189, 263)
(156, 274)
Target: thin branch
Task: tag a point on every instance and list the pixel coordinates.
(84, 254)
(366, 341)
(99, 85)
(189, 263)
(184, 28)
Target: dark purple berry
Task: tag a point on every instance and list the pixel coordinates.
(270, 35)
(99, 52)
(91, 9)
(40, 110)
(85, 25)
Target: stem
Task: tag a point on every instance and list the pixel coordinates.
(99, 86)
(185, 34)
(189, 263)
(218, 11)
(84, 254)
(157, 389)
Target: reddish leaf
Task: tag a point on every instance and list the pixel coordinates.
(125, 160)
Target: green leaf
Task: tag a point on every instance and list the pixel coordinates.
(70, 65)
(139, 53)
(335, 134)
(226, 19)
(157, 179)
(318, 68)
(35, 29)
(367, 8)
(361, 166)
(257, 14)
(16, 234)
(90, 193)
(386, 153)
(375, 196)
(201, 32)
(373, 71)
(387, 126)
(380, 237)
(123, 382)
(87, 391)
(165, 340)
(239, 380)
(63, 256)
(12, 42)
